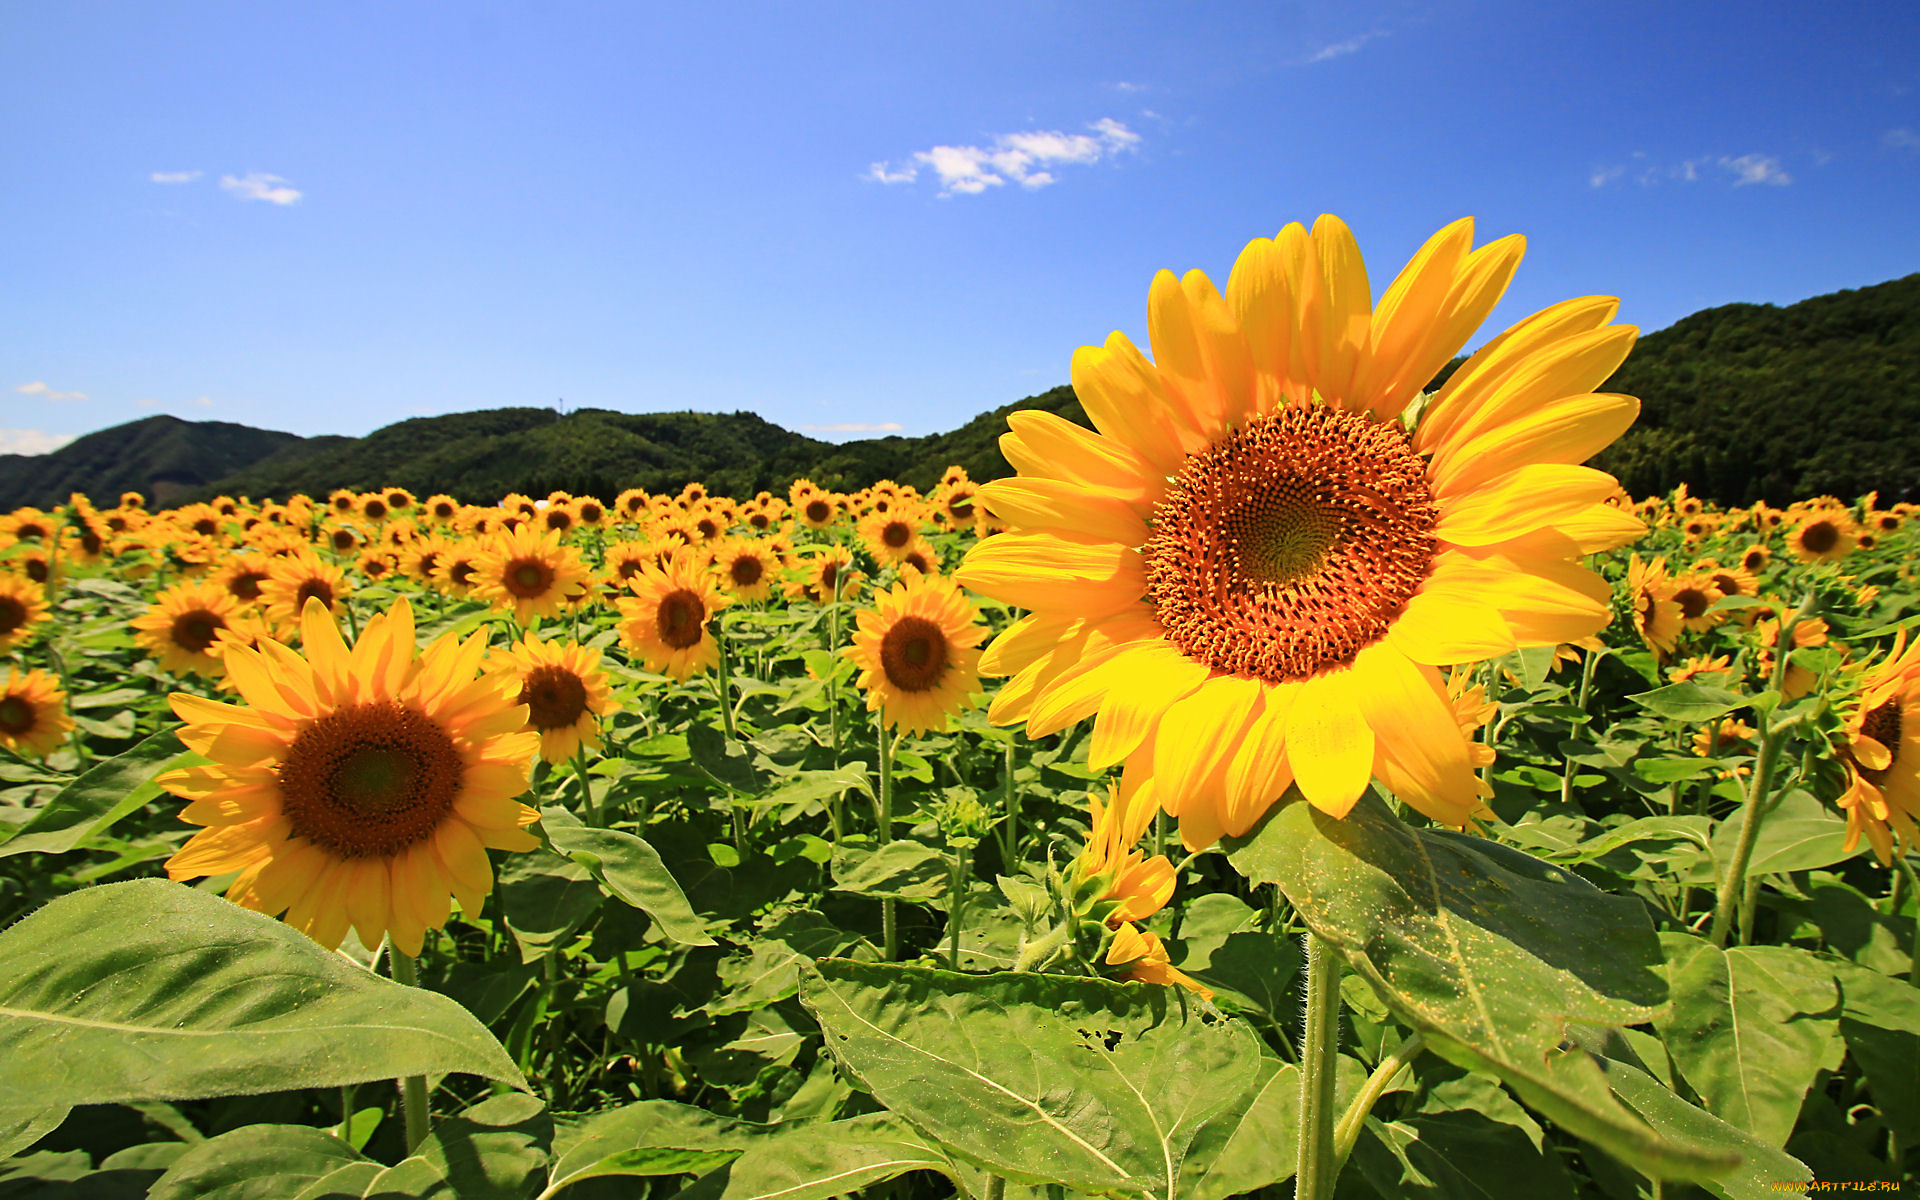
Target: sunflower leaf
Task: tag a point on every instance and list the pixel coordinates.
(1492, 953)
(90, 804)
(150, 990)
(1691, 702)
(629, 868)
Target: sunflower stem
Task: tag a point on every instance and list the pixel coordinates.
(1319, 1061)
(1010, 845)
(1913, 889)
(413, 1088)
(889, 917)
(594, 816)
(346, 1113)
(720, 680)
(1588, 663)
(1347, 1132)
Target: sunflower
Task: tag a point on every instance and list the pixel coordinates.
(889, 535)
(1252, 573)
(1755, 558)
(297, 578)
(1144, 959)
(564, 690)
(957, 503)
(422, 555)
(23, 604)
(1822, 536)
(441, 508)
(373, 506)
(1808, 633)
(182, 628)
(746, 568)
(589, 513)
(243, 576)
(665, 621)
(1125, 884)
(355, 787)
(453, 570)
(1700, 664)
(1656, 614)
(1696, 596)
(1882, 755)
(1736, 580)
(918, 650)
(817, 509)
(920, 557)
(33, 713)
(528, 573)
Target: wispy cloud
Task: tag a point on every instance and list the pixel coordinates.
(1756, 168)
(31, 441)
(1602, 176)
(258, 185)
(1352, 45)
(175, 176)
(39, 389)
(1900, 139)
(203, 401)
(855, 427)
(1026, 158)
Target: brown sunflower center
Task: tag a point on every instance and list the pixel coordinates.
(914, 654)
(1887, 522)
(555, 697)
(1754, 559)
(17, 715)
(896, 534)
(13, 614)
(245, 585)
(760, 521)
(560, 519)
(344, 540)
(206, 527)
(369, 780)
(1693, 602)
(829, 574)
(376, 510)
(818, 511)
(591, 513)
(461, 573)
(37, 570)
(682, 618)
(313, 588)
(1883, 725)
(746, 570)
(961, 506)
(1291, 544)
(1728, 584)
(196, 630)
(1820, 537)
(443, 511)
(528, 578)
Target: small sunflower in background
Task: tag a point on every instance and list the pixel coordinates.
(589, 513)
(1881, 751)
(665, 620)
(453, 570)
(1755, 558)
(243, 576)
(920, 557)
(1656, 614)
(564, 690)
(23, 604)
(1822, 536)
(355, 787)
(421, 555)
(746, 568)
(529, 573)
(182, 628)
(1696, 596)
(297, 578)
(33, 713)
(441, 508)
(918, 650)
(826, 572)
(817, 509)
(889, 534)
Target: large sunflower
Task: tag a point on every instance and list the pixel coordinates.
(1882, 756)
(529, 573)
(1822, 536)
(918, 650)
(182, 628)
(33, 713)
(1253, 572)
(23, 604)
(564, 689)
(665, 621)
(356, 787)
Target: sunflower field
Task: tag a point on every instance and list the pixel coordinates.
(1301, 784)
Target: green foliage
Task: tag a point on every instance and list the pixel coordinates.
(163, 458)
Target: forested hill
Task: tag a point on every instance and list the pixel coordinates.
(1741, 402)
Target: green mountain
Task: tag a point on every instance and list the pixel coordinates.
(1742, 402)
(163, 458)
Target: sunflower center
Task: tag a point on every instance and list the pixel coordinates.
(829, 574)
(206, 527)
(1728, 585)
(1883, 726)
(555, 697)
(746, 571)
(461, 573)
(682, 618)
(1754, 560)
(1820, 537)
(246, 585)
(375, 510)
(528, 577)
(16, 716)
(13, 614)
(560, 519)
(195, 631)
(1693, 602)
(369, 780)
(1291, 544)
(961, 506)
(818, 511)
(914, 654)
(37, 570)
(896, 534)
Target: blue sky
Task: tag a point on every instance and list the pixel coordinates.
(324, 218)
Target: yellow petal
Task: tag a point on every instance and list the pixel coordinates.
(1460, 398)
(1197, 739)
(1065, 509)
(1125, 399)
(1039, 571)
(1046, 445)
(1260, 773)
(1521, 501)
(1153, 678)
(1329, 744)
(1406, 706)
(1407, 321)
(1569, 430)
(1200, 353)
(1338, 325)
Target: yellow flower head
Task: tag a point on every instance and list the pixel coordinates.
(1252, 568)
(746, 567)
(1136, 886)
(665, 620)
(355, 787)
(528, 573)
(1656, 614)
(827, 572)
(1145, 960)
(182, 628)
(564, 690)
(297, 578)
(33, 713)
(23, 604)
(918, 653)
(1882, 756)
(1824, 535)
(891, 534)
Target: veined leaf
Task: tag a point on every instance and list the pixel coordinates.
(820, 1160)
(629, 868)
(1691, 702)
(93, 802)
(1762, 1169)
(151, 990)
(899, 870)
(259, 1162)
(1797, 833)
(1880, 1020)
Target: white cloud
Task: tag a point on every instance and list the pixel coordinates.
(1602, 176)
(855, 427)
(31, 441)
(1342, 49)
(258, 185)
(147, 402)
(204, 401)
(1023, 158)
(1901, 139)
(1756, 168)
(39, 390)
(175, 176)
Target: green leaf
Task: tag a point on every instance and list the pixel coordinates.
(816, 1161)
(1749, 1028)
(496, 1150)
(899, 870)
(1880, 1020)
(1251, 1145)
(545, 898)
(726, 759)
(1489, 951)
(1463, 1153)
(653, 1137)
(153, 990)
(1101, 1087)
(1797, 833)
(770, 971)
(21, 1125)
(257, 1162)
(1762, 1169)
(1693, 703)
(629, 868)
(1222, 945)
(93, 802)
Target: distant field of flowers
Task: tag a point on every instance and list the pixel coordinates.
(1301, 785)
